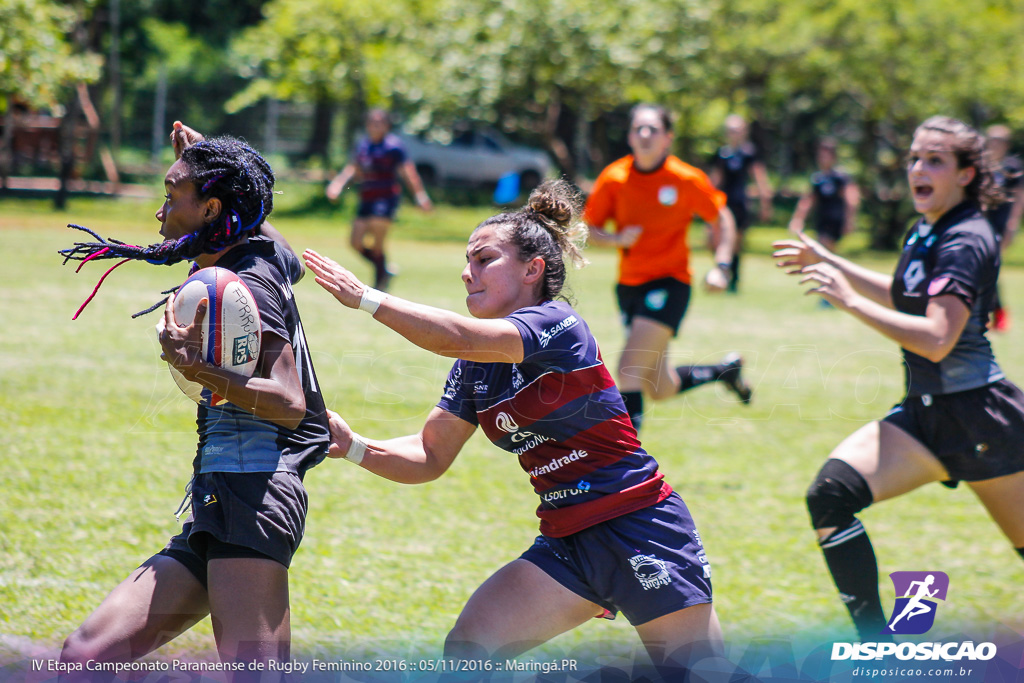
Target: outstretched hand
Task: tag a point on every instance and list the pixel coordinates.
(182, 344)
(341, 435)
(830, 283)
(795, 255)
(339, 281)
(182, 136)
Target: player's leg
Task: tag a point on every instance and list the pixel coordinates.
(249, 608)
(642, 366)
(1003, 497)
(377, 231)
(678, 640)
(877, 462)
(516, 609)
(357, 238)
(156, 603)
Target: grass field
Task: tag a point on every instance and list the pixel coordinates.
(97, 446)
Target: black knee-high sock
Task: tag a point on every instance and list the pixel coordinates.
(734, 275)
(691, 376)
(634, 401)
(1020, 551)
(851, 560)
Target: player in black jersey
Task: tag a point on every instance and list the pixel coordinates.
(731, 169)
(961, 419)
(833, 197)
(1005, 218)
(248, 503)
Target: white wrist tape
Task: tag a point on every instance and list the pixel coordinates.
(356, 449)
(370, 300)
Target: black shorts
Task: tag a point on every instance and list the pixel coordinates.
(741, 214)
(647, 563)
(664, 300)
(830, 229)
(976, 434)
(253, 514)
(377, 208)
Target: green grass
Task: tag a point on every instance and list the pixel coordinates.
(98, 444)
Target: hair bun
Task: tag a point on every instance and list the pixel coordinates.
(555, 200)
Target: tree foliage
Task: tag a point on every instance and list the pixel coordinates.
(37, 58)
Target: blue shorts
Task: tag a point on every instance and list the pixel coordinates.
(646, 564)
(378, 208)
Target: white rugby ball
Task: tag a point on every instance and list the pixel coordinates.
(230, 330)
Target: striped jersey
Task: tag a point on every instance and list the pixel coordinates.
(561, 414)
(378, 164)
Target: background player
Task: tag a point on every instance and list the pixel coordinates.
(247, 499)
(1005, 218)
(651, 197)
(378, 161)
(530, 375)
(833, 197)
(733, 165)
(961, 419)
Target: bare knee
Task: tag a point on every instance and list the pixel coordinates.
(79, 648)
(463, 642)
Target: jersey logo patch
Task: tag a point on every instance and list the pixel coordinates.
(937, 286)
(656, 299)
(913, 276)
(668, 195)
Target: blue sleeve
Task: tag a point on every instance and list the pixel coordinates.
(553, 337)
(457, 398)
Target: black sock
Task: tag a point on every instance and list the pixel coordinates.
(1020, 551)
(634, 401)
(851, 560)
(734, 275)
(691, 376)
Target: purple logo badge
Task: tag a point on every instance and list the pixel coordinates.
(917, 594)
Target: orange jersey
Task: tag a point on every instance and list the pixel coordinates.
(663, 203)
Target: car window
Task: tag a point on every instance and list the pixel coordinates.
(490, 144)
(464, 139)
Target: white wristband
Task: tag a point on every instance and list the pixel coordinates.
(356, 449)
(370, 300)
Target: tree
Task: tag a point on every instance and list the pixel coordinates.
(38, 62)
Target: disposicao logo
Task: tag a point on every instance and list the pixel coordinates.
(914, 612)
(917, 596)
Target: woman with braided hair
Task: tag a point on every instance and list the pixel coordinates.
(248, 502)
(614, 536)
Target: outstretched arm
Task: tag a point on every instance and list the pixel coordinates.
(434, 329)
(412, 459)
(339, 182)
(932, 335)
(764, 190)
(796, 255)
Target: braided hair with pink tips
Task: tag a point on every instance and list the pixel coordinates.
(222, 167)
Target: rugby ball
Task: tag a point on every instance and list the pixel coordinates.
(230, 330)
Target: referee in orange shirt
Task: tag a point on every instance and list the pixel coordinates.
(650, 197)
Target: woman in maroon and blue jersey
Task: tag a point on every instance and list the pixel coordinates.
(378, 161)
(614, 537)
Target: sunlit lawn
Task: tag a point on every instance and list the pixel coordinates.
(97, 446)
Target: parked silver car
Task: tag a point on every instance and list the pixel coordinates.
(476, 157)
